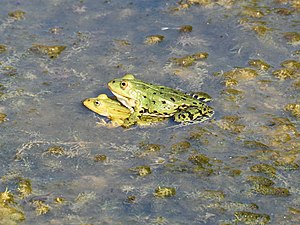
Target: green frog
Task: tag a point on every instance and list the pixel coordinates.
(115, 111)
(158, 101)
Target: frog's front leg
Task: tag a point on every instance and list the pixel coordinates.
(194, 114)
(131, 120)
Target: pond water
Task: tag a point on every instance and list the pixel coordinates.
(60, 165)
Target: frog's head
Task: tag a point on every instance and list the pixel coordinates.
(98, 104)
(121, 86)
(124, 89)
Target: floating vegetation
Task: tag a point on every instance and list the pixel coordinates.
(284, 11)
(255, 144)
(17, 15)
(260, 181)
(274, 191)
(251, 218)
(264, 168)
(154, 39)
(55, 150)
(199, 160)
(24, 188)
(59, 200)
(141, 170)
(186, 29)
(2, 117)
(181, 146)
(6, 197)
(231, 124)
(241, 74)
(131, 199)
(8, 214)
(2, 49)
(292, 37)
(53, 51)
(100, 158)
(293, 64)
(41, 207)
(163, 192)
(121, 43)
(212, 195)
(284, 73)
(253, 12)
(293, 108)
(188, 60)
(259, 64)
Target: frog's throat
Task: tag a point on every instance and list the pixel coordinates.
(125, 101)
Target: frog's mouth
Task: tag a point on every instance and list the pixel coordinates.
(128, 102)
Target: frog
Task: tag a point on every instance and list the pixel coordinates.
(143, 98)
(115, 111)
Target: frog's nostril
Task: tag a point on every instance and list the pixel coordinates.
(113, 81)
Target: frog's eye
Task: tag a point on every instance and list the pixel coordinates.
(97, 103)
(124, 84)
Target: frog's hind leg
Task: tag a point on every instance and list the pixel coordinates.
(194, 114)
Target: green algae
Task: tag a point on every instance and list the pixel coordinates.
(259, 64)
(186, 29)
(141, 170)
(240, 74)
(181, 146)
(252, 12)
(251, 218)
(52, 51)
(199, 160)
(294, 109)
(56, 150)
(260, 181)
(212, 195)
(41, 207)
(284, 73)
(8, 213)
(274, 191)
(255, 145)
(154, 39)
(2, 117)
(100, 158)
(2, 49)
(292, 37)
(264, 168)
(17, 15)
(231, 124)
(164, 192)
(24, 187)
(189, 60)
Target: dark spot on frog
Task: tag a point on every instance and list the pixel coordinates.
(154, 93)
(172, 99)
(162, 88)
(161, 93)
(195, 103)
(163, 102)
(183, 98)
(153, 102)
(154, 111)
(145, 96)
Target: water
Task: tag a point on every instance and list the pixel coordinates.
(42, 96)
